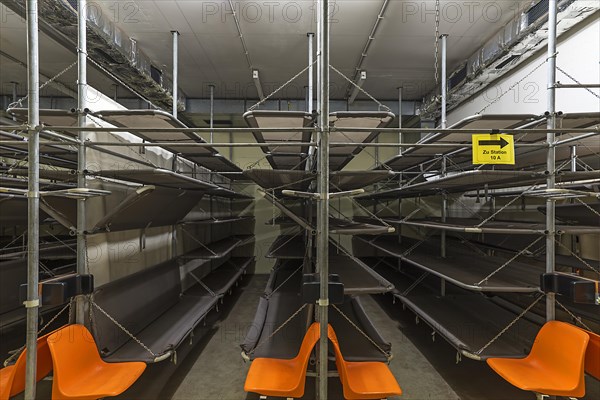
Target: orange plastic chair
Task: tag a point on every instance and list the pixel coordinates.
(279, 377)
(363, 380)
(592, 355)
(555, 365)
(80, 373)
(12, 377)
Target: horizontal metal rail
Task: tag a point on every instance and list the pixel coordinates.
(296, 129)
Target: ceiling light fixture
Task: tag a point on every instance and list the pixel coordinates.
(256, 79)
(362, 77)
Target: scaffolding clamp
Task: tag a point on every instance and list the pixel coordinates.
(31, 303)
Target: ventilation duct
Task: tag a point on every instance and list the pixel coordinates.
(516, 42)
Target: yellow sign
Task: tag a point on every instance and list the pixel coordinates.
(493, 149)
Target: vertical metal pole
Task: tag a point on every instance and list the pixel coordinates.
(82, 267)
(15, 86)
(212, 112)
(116, 92)
(573, 158)
(444, 38)
(311, 38)
(551, 159)
(175, 71)
(400, 119)
(323, 188)
(33, 198)
(319, 50)
(443, 124)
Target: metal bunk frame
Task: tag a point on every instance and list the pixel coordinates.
(323, 145)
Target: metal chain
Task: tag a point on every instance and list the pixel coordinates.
(387, 354)
(488, 219)
(287, 321)
(587, 206)
(576, 318)
(49, 81)
(437, 42)
(114, 321)
(18, 351)
(515, 85)
(519, 254)
(198, 241)
(503, 331)
(363, 91)
(474, 213)
(282, 86)
(577, 257)
(212, 294)
(577, 82)
(415, 283)
(285, 281)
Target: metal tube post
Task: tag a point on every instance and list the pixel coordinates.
(323, 188)
(319, 50)
(444, 39)
(551, 159)
(175, 70)
(443, 124)
(400, 119)
(573, 158)
(33, 198)
(15, 86)
(311, 37)
(212, 112)
(82, 266)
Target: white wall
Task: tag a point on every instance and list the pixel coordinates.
(578, 54)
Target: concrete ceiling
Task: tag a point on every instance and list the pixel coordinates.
(402, 53)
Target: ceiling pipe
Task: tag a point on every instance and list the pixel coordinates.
(370, 40)
(239, 29)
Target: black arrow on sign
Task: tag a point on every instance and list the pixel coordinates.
(502, 143)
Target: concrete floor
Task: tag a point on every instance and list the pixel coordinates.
(424, 368)
(219, 372)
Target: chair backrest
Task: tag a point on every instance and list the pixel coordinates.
(562, 345)
(44, 365)
(592, 355)
(308, 343)
(73, 350)
(339, 358)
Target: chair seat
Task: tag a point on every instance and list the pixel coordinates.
(274, 377)
(370, 380)
(6, 377)
(102, 380)
(554, 366)
(283, 377)
(534, 377)
(80, 373)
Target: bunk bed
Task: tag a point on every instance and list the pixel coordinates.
(475, 280)
(282, 317)
(203, 266)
